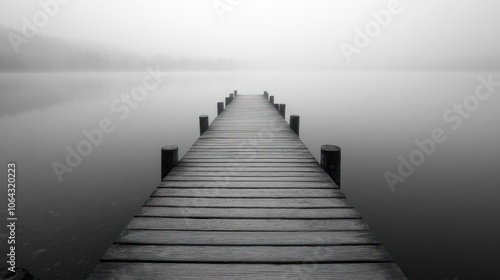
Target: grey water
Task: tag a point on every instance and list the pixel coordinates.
(442, 222)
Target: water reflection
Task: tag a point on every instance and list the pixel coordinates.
(448, 203)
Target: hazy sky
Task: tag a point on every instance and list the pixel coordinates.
(426, 33)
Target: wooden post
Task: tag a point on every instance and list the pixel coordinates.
(235, 93)
(283, 110)
(169, 158)
(220, 107)
(266, 94)
(203, 124)
(295, 123)
(231, 95)
(330, 161)
(271, 99)
(228, 101)
(277, 106)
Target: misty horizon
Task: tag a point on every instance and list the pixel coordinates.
(287, 35)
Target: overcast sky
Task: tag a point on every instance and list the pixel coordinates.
(424, 34)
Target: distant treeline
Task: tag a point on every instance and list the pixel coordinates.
(54, 54)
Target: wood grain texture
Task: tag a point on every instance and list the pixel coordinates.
(248, 185)
(247, 193)
(251, 160)
(307, 270)
(245, 254)
(306, 178)
(268, 169)
(247, 164)
(185, 172)
(160, 237)
(246, 213)
(249, 202)
(247, 224)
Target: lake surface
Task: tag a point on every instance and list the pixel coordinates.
(442, 222)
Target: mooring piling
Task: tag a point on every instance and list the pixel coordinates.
(330, 161)
(283, 110)
(295, 123)
(169, 158)
(220, 107)
(203, 124)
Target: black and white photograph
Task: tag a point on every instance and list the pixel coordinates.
(249, 139)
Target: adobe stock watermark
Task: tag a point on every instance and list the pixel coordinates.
(453, 116)
(121, 107)
(310, 263)
(224, 6)
(372, 29)
(48, 9)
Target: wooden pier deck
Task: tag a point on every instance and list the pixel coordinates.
(247, 201)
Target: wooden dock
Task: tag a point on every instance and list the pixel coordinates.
(247, 201)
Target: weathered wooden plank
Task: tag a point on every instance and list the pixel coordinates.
(162, 237)
(250, 160)
(249, 156)
(250, 202)
(247, 150)
(311, 178)
(248, 185)
(248, 213)
(244, 123)
(236, 127)
(223, 169)
(235, 138)
(306, 270)
(245, 135)
(252, 151)
(258, 136)
(247, 224)
(238, 137)
(246, 193)
(270, 141)
(244, 128)
(244, 152)
(255, 143)
(245, 254)
(248, 164)
(182, 172)
(250, 144)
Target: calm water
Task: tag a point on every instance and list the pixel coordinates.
(442, 222)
